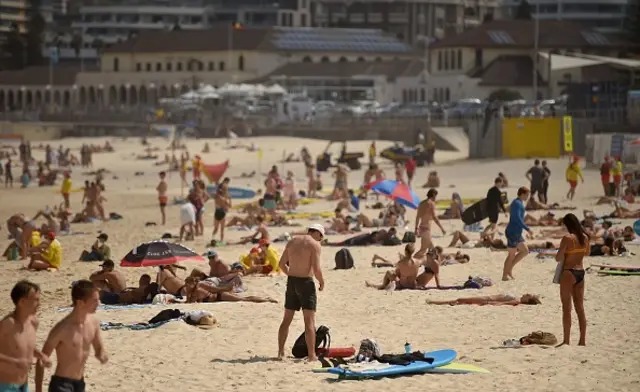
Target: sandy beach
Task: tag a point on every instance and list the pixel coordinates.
(240, 352)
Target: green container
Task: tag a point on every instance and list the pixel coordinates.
(13, 255)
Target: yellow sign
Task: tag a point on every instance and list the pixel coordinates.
(567, 129)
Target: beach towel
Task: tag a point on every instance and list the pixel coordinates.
(107, 326)
(441, 288)
(112, 307)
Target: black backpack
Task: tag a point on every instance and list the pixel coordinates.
(344, 260)
(323, 341)
(409, 237)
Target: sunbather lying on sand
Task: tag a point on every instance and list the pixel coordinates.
(168, 280)
(261, 233)
(196, 291)
(389, 219)
(534, 205)
(486, 241)
(131, 295)
(624, 213)
(500, 299)
(547, 219)
(380, 237)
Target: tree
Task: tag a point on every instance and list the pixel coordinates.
(14, 47)
(35, 30)
(523, 12)
(504, 95)
(76, 44)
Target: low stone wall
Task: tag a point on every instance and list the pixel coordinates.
(33, 131)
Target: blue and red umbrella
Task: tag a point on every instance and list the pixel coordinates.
(397, 191)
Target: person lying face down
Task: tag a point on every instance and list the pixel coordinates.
(500, 299)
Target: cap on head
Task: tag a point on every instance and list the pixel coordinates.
(317, 227)
(51, 235)
(103, 237)
(107, 264)
(211, 253)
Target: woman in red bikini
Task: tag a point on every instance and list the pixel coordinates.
(573, 247)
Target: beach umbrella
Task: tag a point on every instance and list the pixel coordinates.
(371, 184)
(156, 253)
(397, 191)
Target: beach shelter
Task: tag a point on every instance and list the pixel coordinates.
(215, 172)
(397, 191)
(154, 253)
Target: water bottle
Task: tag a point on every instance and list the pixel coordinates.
(407, 348)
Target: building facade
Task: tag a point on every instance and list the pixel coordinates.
(13, 12)
(602, 15)
(409, 20)
(501, 55)
(158, 64)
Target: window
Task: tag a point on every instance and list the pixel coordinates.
(452, 59)
(241, 63)
(221, 66)
(212, 66)
(447, 95)
(378, 59)
(189, 65)
(459, 59)
(307, 59)
(439, 60)
(158, 67)
(324, 59)
(446, 61)
(148, 67)
(116, 64)
(423, 95)
(303, 20)
(138, 67)
(178, 67)
(404, 96)
(360, 59)
(169, 67)
(200, 66)
(343, 59)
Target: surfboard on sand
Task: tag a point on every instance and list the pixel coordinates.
(458, 368)
(476, 213)
(617, 267)
(619, 273)
(377, 370)
(235, 193)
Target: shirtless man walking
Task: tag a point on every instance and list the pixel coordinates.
(300, 261)
(18, 339)
(162, 195)
(72, 339)
(425, 214)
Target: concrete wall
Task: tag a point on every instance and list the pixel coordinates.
(32, 131)
(485, 138)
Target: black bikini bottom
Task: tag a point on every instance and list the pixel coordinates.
(578, 274)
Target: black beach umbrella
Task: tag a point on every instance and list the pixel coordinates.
(154, 253)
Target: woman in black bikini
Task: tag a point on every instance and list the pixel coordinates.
(573, 247)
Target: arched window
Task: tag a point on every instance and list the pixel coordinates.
(212, 66)
(361, 59)
(158, 67)
(343, 59)
(447, 94)
(241, 63)
(169, 67)
(307, 59)
(221, 66)
(324, 59)
(116, 64)
(178, 67)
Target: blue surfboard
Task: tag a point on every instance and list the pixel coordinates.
(378, 370)
(235, 193)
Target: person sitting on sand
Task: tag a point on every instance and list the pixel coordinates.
(168, 280)
(99, 250)
(547, 219)
(455, 210)
(487, 240)
(109, 281)
(433, 180)
(340, 224)
(263, 259)
(21, 229)
(46, 255)
(197, 292)
(250, 174)
(206, 149)
(500, 299)
(261, 233)
(431, 264)
(405, 274)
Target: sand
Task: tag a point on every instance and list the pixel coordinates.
(239, 353)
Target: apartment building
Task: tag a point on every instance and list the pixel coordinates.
(12, 12)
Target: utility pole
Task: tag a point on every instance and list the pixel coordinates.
(536, 44)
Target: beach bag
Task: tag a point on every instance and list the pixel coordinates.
(344, 259)
(323, 340)
(166, 315)
(368, 351)
(558, 274)
(539, 337)
(409, 237)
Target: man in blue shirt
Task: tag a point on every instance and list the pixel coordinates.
(355, 200)
(516, 248)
